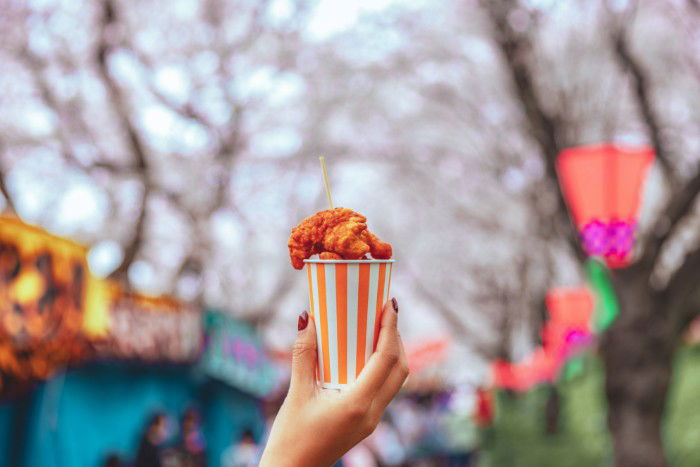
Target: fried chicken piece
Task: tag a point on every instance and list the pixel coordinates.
(340, 231)
(329, 255)
(378, 248)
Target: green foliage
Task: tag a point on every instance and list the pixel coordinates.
(682, 431)
(518, 437)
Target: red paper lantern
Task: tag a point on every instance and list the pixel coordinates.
(569, 326)
(602, 185)
(566, 332)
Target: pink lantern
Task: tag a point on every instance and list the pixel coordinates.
(602, 185)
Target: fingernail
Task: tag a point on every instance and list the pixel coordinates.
(303, 321)
(395, 305)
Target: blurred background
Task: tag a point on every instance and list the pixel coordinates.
(154, 156)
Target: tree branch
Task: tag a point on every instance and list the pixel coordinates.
(680, 205)
(36, 67)
(185, 110)
(9, 203)
(640, 81)
(682, 201)
(109, 24)
(543, 127)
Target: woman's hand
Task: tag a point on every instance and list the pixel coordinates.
(316, 427)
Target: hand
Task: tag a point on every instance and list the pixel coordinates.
(316, 427)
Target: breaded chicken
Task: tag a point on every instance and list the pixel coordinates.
(338, 231)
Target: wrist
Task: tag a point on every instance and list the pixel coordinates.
(292, 455)
(273, 457)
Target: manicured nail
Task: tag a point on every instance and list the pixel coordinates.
(303, 321)
(395, 305)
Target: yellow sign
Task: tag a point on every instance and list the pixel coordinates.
(43, 281)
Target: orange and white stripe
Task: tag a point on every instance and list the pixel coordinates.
(346, 298)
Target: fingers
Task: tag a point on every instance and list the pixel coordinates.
(388, 356)
(393, 382)
(303, 381)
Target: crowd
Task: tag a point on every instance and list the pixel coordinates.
(429, 429)
(159, 448)
(434, 428)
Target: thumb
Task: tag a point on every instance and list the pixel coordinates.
(304, 357)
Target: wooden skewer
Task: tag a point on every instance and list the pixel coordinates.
(325, 181)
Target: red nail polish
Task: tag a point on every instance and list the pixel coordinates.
(395, 305)
(303, 321)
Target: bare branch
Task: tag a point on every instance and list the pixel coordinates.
(695, 5)
(675, 210)
(544, 128)
(185, 110)
(683, 200)
(640, 81)
(9, 203)
(37, 67)
(109, 23)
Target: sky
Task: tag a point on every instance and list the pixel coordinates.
(333, 16)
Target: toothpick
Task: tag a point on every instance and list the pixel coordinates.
(325, 181)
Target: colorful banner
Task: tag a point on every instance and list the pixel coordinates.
(151, 329)
(43, 282)
(234, 354)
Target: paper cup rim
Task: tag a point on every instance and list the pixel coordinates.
(350, 261)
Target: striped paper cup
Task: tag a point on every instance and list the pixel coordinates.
(347, 297)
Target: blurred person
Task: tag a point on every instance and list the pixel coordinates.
(152, 442)
(317, 427)
(191, 448)
(484, 410)
(113, 460)
(242, 453)
(429, 445)
(461, 437)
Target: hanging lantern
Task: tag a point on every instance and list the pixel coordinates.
(602, 185)
(564, 335)
(569, 326)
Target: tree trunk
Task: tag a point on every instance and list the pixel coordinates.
(637, 352)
